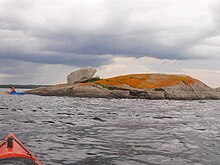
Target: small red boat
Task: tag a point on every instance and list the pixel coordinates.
(12, 151)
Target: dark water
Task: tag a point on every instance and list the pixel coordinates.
(63, 130)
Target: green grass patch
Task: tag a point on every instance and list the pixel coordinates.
(93, 79)
(108, 87)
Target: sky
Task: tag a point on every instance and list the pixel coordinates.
(42, 41)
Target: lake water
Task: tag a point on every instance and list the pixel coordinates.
(68, 131)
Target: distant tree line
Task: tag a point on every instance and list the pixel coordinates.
(22, 86)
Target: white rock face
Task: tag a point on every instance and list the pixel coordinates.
(81, 75)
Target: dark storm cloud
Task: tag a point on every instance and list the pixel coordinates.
(101, 45)
(82, 33)
(76, 60)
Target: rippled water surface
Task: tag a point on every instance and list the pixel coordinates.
(68, 131)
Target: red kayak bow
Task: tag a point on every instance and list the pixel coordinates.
(12, 151)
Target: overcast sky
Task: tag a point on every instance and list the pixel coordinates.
(42, 41)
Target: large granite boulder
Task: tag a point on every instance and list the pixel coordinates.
(81, 75)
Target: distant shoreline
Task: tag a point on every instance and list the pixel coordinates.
(23, 86)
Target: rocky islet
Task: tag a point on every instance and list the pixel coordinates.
(143, 86)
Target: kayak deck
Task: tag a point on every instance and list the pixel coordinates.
(12, 151)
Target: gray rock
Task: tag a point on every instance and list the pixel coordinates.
(81, 75)
(217, 89)
(75, 90)
(181, 91)
(193, 91)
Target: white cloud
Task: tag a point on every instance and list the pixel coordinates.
(16, 72)
(122, 66)
(52, 74)
(3, 77)
(210, 77)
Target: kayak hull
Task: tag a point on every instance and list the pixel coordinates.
(15, 93)
(13, 151)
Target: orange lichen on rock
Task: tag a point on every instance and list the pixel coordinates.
(145, 81)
